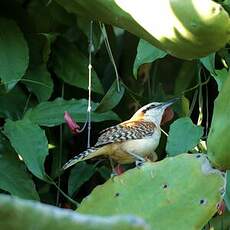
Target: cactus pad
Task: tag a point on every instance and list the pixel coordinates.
(163, 192)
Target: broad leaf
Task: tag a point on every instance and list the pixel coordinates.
(50, 38)
(49, 17)
(39, 82)
(30, 142)
(81, 173)
(13, 175)
(183, 136)
(71, 65)
(111, 98)
(23, 214)
(14, 55)
(220, 77)
(52, 113)
(146, 53)
(13, 103)
(209, 63)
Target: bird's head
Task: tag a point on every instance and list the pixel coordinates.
(157, 112)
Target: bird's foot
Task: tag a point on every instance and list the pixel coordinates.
(117, 171)
(139, 163)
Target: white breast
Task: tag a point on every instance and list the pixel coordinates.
(142, 147)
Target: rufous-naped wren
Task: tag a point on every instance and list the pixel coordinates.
(132, 140)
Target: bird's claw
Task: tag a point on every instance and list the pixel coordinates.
(139, 163)
(113, 175)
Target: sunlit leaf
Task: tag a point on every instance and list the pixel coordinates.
(183, 136)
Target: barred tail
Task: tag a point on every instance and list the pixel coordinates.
(87, 154)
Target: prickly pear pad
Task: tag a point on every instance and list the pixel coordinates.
(162, 192)
(218, 138)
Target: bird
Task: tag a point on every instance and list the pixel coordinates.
(133, 140)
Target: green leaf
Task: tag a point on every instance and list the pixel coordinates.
(24, 214)
(39, 81)
(183, 136)
(162, 193)
(104, 172)
(220, 77)
(227, 193)
(50, 38)
(209, 63)
(14, 55)
(13, 175)
(184, 106)
(146, 53)
(80, 174)
(111, 98)
(49, 17)
(173, 26)
(52, 113)
(71, 65)
(13, 103)
(30, 142)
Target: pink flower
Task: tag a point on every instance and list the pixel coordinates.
(72, 125)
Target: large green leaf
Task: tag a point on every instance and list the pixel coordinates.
(16, 214)
(52, 113)
(14, 55)
(146, 53)
(13, 175)
(111, 98)
(179, 192)
(79, 175)
(30, 142)
(71, 65)
(183, 136)
(49, 17)
(39, 81)
(12, 104)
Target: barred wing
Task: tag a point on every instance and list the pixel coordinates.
(129, 130)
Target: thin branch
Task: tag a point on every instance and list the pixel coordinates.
(108, 48)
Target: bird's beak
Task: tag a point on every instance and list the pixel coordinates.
(168, 103)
